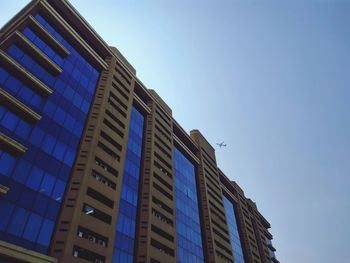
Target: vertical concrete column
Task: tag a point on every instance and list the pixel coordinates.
(156, 232)
(215, 230)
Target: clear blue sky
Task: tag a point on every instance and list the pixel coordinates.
(271, 79)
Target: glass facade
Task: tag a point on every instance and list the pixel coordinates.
(233, 229)
(37, 178)
(125, 233)
(188, 230)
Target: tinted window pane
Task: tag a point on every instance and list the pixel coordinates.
(32, 229)
(18, 221)
(45, 233)
(6, 210)
(233, 229)
(125, 234)
(188, 230)
(7, 163)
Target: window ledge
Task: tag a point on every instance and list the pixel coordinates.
(20, 254)
(23, 75)
(18, 107)
(11, 145)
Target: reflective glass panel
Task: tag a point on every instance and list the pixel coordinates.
(125, 234)
(233, 229)
(188, 230)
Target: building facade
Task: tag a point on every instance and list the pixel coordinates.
(94, 168)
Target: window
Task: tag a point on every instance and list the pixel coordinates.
(162, 217)
(92, 236)
(100, 197)
(7, 163)
(34, 178)
(162, 248)
(47, 184)
(189, 241)
(59, 150)
(18, 221)
(91, 211)
(105, 166)
(33, 226)
(162, 233)
(108, 151)
(23, 129)
(124, 244)
(21, 171)
(6, 210)
(159, 203)
(103, 179)
(58, 191)
(37, 136)
(10, 121)
(233, 230)
(88, 255)
(48, 143)
(46, 232)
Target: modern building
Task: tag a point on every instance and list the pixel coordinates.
(94, 168)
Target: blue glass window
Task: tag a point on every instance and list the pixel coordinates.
(233, 229)
(45, 233)
(125, 234)
(38, 177)
(7, 163)
(23, 129)
(47, 184)
(10, 121)
(48, 143)
(18, 221)
(21, 171)
(35, 177)
(188, 230)
(37, 136)
(59, 150)
(33, 227)
(3, 75)
(5, 213)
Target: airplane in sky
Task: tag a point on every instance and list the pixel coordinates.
(222, 144)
